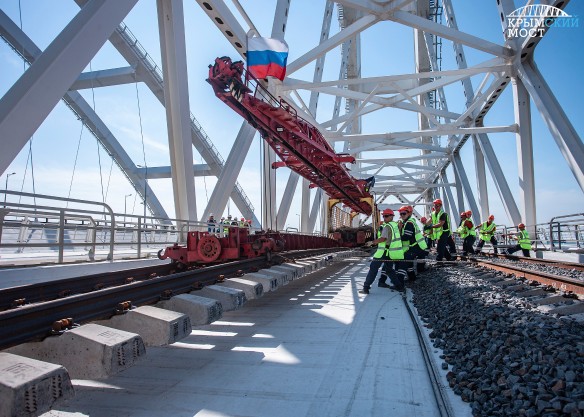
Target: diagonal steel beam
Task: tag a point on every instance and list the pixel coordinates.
(566, 137)
(332, 42)
(29, 51)
(32, 97)
(446, 32)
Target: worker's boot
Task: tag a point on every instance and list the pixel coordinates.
(411, 275)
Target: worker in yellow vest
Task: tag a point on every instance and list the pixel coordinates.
(389, 248)
(467, 232)
(487, 234)
(413, 242)
(441, 231)
(523, 241)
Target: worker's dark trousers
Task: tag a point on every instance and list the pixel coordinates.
(429, 243)
(467, 245)
(442, 249)
(451, 244)
(398, 280)
(515, 248)
(374, 268)
(414, 252)
(493, 242)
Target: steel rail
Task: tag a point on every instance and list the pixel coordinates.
(35, 321)
(442, 401)
(548, 262)
(46, 291)
(556, 281)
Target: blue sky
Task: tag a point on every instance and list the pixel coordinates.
(387, 49)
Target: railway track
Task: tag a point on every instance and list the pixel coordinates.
(35, 311)
(573, 266)
(487, 326)
(563, 276)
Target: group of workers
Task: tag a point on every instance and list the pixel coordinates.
(467, 231)
(401, 242)
(223, 225)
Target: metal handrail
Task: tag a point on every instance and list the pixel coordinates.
(577, 220)
(563, 232)
(557, 234)
(28, 228)
(61, 212)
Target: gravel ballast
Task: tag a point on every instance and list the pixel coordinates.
(504, 357)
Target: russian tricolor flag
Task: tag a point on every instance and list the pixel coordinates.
(267, 57)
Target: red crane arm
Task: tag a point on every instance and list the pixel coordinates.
(299, 145)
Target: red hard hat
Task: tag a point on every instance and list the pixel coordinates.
(468, 213)
(387, 211)
(438, 201)
(463, 214)
(423, 219)
(521, 226)
(491, 217)
(407, 209)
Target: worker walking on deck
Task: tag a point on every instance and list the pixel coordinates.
(487, 234)
(523, 241)
(441, 231)
(413, 242)
(389, 248)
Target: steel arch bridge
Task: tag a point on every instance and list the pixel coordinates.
(411, 166)
(538, 10)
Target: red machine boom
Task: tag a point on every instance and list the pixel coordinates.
(299, 145)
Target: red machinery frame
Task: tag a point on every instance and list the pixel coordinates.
(239, 243)
(299, 145)
(206, 247)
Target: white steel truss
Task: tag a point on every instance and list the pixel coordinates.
(410, 166)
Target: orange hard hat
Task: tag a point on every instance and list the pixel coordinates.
(463, 214)
(423, 219)
(387, 211)
(521, 226)
(438, 201)
(468, 213)
(491, 217)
